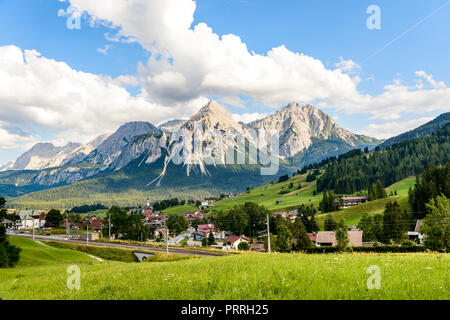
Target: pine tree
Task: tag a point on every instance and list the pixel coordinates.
(330, 224)
(392, 217)
(342, 235)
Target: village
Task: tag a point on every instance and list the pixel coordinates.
(198, 228)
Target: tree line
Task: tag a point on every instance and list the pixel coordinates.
(358, 170)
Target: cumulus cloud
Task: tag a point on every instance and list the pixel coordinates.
(347, 65)
(391, 129)
(233, 101)
(49, 96)
(189, 61)
(104, 50)
(248, 117)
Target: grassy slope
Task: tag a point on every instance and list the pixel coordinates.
(247, 276)
(353, 215)
(180, 209)
(269, 194)
(402, 187)
(34, 254)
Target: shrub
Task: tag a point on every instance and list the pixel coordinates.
(378, 249)
(244, 246)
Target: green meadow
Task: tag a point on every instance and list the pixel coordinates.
(267, 195)
(247, 276)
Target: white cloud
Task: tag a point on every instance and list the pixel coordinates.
(248, 117)
(430, 80)
(11, 140)
(189, 61)
(104, 50)
(391, 129)
(49, 96)
(347, 65)
(233, 101)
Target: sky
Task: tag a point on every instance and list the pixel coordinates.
(72, 70)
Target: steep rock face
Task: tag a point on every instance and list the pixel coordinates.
(44, 155)
(171, 126)
(63, 175)
(110, 149)
(148, 145)
(297, 126)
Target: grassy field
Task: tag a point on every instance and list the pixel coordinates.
(247, 276)
(353, 215)
(402, 187)
(269, 194)
(179, 209)
(34, 254)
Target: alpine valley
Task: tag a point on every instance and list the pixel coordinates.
(134, 162)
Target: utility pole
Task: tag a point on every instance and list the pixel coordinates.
(109, 232)
(268, 235)
(166, 237)
(87, 233)
(33, 225)
(67, 225)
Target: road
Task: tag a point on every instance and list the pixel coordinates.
(143, 248)
(180, 238)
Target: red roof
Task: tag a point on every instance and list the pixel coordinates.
(312, 237)
(232, 239)
(355, 198)
(205, 226)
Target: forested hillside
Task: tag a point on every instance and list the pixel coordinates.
(409, 158)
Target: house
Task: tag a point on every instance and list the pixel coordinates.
(92, 236)
(328, 238)
(312, 237)
(416, 235)
(232, 242)
(347, 202)
(283, 214)
(29, 219)
(208, 201)
(96, 225)
(292, 214)
(203, 231)
(8, 223)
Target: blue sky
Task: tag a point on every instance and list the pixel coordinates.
(323, 30)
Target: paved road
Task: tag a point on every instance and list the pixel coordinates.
(179, 238)
(144, 248)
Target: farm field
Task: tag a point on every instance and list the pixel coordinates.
(248, 276)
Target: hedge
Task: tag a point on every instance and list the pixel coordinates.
(379, 249)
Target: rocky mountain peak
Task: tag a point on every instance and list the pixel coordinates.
(213, 116)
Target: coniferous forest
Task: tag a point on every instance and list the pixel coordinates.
(409, 158)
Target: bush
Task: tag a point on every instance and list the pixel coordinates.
(9, 254)
(244, 246)
(378, 249)
(3, 257)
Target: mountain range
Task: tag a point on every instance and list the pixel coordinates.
(306, 135)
